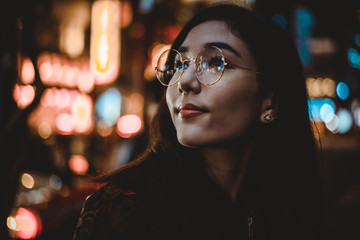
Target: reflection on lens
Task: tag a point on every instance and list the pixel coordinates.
(169, 67)
(209, 65)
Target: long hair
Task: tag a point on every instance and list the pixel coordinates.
(284, 165)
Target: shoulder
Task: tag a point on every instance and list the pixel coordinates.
(110, 211)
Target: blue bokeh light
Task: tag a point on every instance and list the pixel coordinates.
(342, 90)
(354, 58)
(304, 23)
(327, 112)
(280, 20)
(345, 121)
(321, 109)
(357, 39)
(146, 6)
(108, 105)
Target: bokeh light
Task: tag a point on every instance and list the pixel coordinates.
(345, 121)
(44, 130)
(304, 23)
(105, 41)
(342, 90)
(280, 19)
(353, 58)
(86, 82)
(108, 105)
(78, 164)
(357, 39)
(126, 13)
(104, 128)
(23, 95)
(320, 87)
(128, 125)
(25, 224)
(154, 53)
(27, 71)
(65, 123)
(341, 123)
(327, 112)
(27, 180)
(55, 182)
(81, 110)
(321, 109)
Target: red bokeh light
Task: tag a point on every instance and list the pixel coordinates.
(65, 123)
(27, 225)
(128, 125)
(78, 164)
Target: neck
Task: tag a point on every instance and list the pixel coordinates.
(226, 166)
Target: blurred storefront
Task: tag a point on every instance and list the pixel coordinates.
(79, 91)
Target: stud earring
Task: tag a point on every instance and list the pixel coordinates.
(267, 117)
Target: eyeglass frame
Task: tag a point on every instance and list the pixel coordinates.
(193, 59)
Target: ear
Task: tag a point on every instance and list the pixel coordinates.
(269, 108)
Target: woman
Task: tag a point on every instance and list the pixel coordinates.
(231, 155)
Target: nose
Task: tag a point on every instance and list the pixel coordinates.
(188, 81)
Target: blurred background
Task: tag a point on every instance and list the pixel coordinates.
(78, 90)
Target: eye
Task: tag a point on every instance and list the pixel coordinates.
(215, 62)
(178, 65)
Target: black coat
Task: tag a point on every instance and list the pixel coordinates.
(154, 200)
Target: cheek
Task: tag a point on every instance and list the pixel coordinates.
(239, 105)
(170, 99)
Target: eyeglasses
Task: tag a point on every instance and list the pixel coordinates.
(209, 66)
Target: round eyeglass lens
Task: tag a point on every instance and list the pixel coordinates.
(209, 65)
(169, 67)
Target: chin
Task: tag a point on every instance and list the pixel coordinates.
(189, 141)
(195, 142)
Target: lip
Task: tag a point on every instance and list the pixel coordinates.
(189, 110)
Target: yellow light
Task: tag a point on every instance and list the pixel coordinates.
(104, 128)
(27, 181)
(320, 87)
(73, 38)
(75, 18)
(105, 41)
(44, 130)
(82, 108)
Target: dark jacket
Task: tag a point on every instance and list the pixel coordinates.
(163, 200)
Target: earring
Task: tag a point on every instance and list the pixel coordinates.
(267, 117)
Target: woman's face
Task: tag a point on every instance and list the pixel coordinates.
(206, 116)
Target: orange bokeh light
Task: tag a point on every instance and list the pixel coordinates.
(81, 111)
(27, 71)
(23, 95)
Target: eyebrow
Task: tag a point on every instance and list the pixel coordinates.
(221, 45)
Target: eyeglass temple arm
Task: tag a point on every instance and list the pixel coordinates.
(155, 68)
(245, 68)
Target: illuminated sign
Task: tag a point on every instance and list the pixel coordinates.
(105, 41)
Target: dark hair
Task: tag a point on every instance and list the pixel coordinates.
(284, 166)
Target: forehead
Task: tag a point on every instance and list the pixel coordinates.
(212, 31)
(216, 32)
